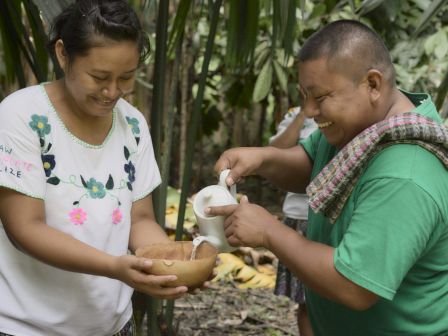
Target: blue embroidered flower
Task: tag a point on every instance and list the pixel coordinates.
(40, 125)
(133, 124)
(130, 169)
(96, 189)
(49, 163)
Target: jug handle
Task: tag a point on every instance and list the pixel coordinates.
(222, 182)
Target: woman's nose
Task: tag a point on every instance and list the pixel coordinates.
(112, 91)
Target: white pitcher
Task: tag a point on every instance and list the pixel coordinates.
(211, 228)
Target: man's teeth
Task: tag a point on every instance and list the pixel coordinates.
(324, 124)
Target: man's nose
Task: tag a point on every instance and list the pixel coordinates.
(310, 109)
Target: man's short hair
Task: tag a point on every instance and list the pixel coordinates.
(350, 40)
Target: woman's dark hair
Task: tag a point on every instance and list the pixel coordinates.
(81, 23)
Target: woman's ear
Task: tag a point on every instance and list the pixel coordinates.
(375, 82)
(61, 54)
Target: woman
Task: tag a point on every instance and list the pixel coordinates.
(77, 174)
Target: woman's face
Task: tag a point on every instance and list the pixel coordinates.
(97, 80)
(340, 106)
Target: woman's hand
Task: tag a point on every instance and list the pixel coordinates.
(136, 272)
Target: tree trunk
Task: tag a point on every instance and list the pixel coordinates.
(185, 94)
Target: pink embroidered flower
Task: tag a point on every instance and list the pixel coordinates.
(78, 216)
(116, 216)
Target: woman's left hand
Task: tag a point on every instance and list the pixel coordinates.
(137, 273)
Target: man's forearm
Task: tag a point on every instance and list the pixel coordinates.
(313, 264)
(289, 169)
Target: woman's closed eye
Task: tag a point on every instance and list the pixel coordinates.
(98, 78)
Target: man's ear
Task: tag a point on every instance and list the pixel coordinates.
(61, 54)
(375, 83)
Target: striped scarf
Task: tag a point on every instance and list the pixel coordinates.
(331, 188)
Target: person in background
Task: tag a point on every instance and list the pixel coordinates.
(290, 130)
(375, 259)
(77, 173)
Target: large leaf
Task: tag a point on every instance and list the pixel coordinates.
(242, 28)
(367, 6)
(281, 75)
(264, 82)
(432, 10)
(284, 23)
(179, 24)
(40, 55)
(11, 49)
(291, 29)
(17, 43)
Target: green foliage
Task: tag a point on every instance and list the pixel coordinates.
(264, 82)
(284, 24)
(23, 37)
(249, 64)
(432, 10)
(178, 24)
(242, 28)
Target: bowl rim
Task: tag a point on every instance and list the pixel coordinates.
(141, 250)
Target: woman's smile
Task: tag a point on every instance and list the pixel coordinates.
(107, 103)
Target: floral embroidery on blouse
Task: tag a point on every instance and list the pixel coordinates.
(133, 124)
(129, 168)
(94, 188)
(40, 125)
(78, 216)
(49, 163)
(117, 216)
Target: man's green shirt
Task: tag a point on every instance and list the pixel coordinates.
(391, 238)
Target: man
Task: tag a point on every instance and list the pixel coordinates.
(375, 261)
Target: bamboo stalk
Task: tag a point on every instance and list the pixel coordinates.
(156, 130)
(193, 125)
(166, 158)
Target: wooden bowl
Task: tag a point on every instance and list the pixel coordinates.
(174, 259)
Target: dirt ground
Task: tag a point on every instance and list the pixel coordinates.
(226, 310)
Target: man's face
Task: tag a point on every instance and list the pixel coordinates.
(339, 105)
